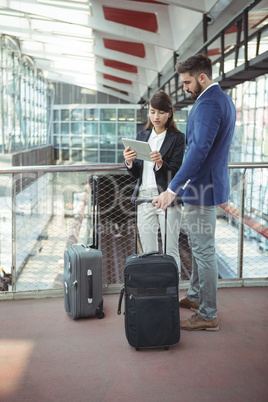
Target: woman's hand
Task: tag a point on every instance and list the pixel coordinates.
(156, 158)
(129, 154)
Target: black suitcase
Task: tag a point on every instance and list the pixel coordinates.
(82, 275)
(151, 284)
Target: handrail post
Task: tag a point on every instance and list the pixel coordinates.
(206, 19)
(13, 218)
(245, 20)
(241, 226)
(222, 55)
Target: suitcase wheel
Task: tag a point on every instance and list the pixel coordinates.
(101, 315)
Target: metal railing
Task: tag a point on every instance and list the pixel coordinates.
(256, 225)
(43, 209)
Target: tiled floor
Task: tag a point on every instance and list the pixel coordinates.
(45, 356)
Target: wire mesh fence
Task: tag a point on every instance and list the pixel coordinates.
(43, 212)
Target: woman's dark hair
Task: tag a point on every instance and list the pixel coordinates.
(195, 65)
(162, 101)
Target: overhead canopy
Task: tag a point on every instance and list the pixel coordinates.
(116, 46)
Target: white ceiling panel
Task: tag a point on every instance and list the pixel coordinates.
(118, 45)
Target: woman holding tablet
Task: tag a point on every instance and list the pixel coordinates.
(168, 146)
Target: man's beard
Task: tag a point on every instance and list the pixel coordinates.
(197, 92)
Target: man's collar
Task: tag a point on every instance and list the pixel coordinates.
(211, 85)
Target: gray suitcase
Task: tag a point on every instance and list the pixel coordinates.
(82, 275)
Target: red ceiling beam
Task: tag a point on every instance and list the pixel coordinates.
(132, 48)
(116, 79)
(129, 68)
(150, 1)
(132, 18)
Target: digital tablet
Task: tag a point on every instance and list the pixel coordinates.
(141, 148)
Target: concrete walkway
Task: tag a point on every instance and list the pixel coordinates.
(47, 357)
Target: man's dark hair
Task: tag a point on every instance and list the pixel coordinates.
(195, 65)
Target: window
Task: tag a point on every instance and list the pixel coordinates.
(91, 128)
(65, 115)
(65, 141)
(56, 115)
(56, 142)
(142, 115)
(107, 157)
(76, 114)
(76, 141)
(91, 114)
(76, 154)
(108, 114)
(91, 141)
(56, 128)
(65, 128)
(126, 114)
(95, 131)
(91, 156)
(76, 128)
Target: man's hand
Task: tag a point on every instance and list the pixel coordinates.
(163, 200)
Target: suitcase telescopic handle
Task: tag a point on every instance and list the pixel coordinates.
(90, 286)
(148, 254)
(142, 201)
(120, 300)
(95, 234)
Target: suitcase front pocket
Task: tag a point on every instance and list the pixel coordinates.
(149, 321)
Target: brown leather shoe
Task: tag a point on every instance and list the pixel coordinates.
(186, 303)
(196, 323)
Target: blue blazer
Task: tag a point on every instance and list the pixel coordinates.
(172, 151)
(203, 177)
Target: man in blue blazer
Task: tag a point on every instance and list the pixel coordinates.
(203, 183)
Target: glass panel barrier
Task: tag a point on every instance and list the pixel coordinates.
(52, 208)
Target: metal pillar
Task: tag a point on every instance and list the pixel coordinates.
(241, 225)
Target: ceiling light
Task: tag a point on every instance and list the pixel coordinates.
(82, 5)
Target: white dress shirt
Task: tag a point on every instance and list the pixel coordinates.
(148, 178)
